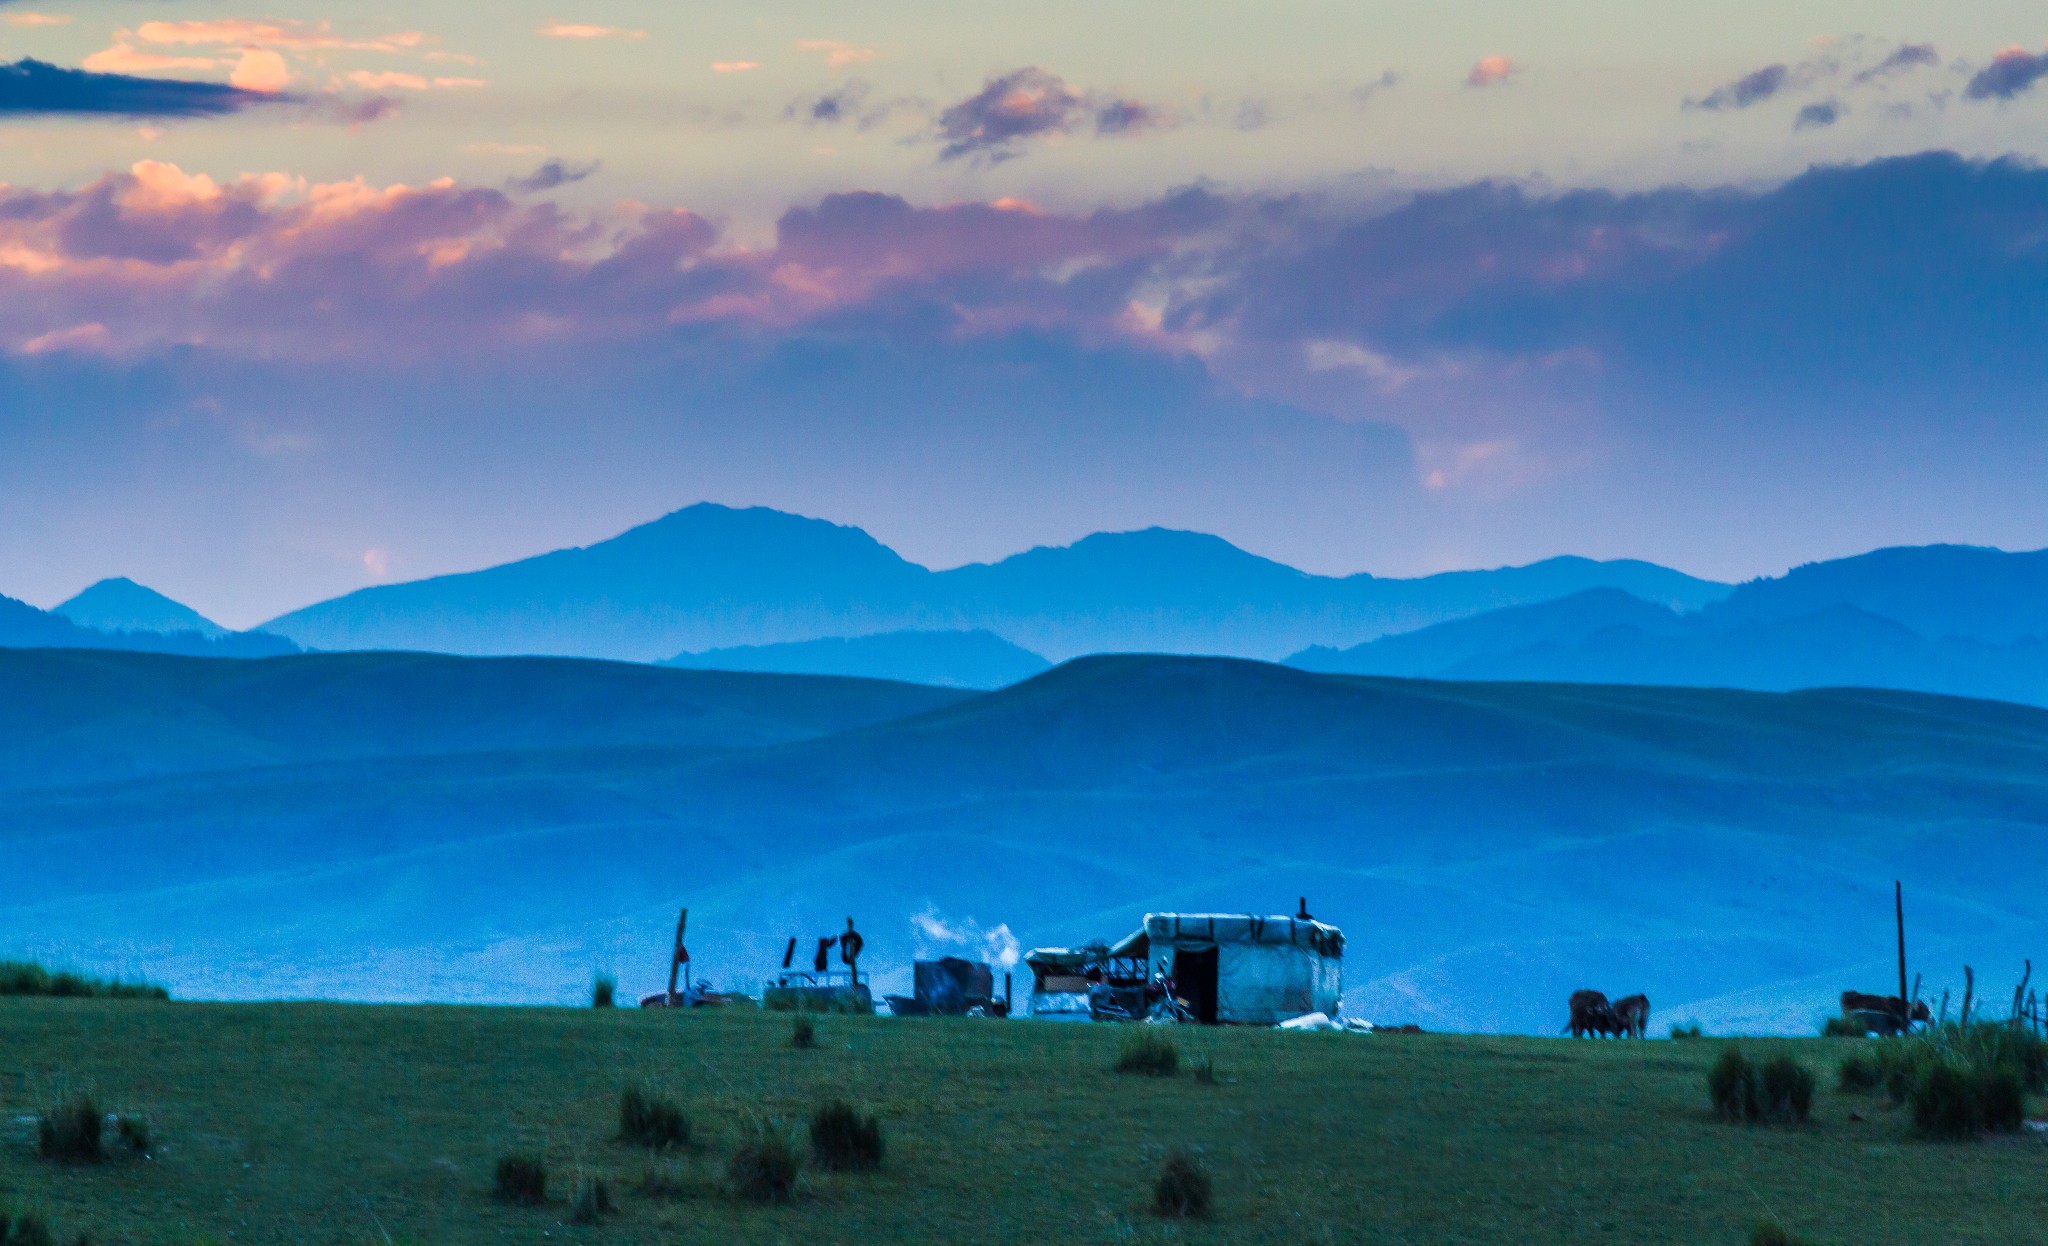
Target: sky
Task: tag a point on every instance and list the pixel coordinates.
(301, 297)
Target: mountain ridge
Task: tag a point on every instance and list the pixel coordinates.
(709, 577)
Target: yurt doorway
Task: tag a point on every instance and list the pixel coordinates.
(1194, 980)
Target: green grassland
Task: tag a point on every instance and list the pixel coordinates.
(315, 1123)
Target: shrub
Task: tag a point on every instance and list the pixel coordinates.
(803, 1033)
(592, 1201)
(28, 978)
(1182, 1191)
(1688, 1031)
(1771, 1233)
(1859, 1072)
(603, 991)
(764, 1168)
(1148, 1052)
(1844, 1027)
(134, 1131)
(843, 1140)
(651, 1121)
(522, 1179)
(70, 1132)
(1787, 1090)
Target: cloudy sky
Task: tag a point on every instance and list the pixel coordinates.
(297, 298)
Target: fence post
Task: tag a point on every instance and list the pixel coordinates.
(1905, 1002)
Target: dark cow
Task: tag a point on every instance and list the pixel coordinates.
(1632, 1014)
(1885, 1015)
(1591, 1014)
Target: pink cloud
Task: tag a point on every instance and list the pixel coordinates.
(1490, 71)
(573, 30)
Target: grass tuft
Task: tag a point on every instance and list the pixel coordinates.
(24, 1229)
(1859, 1072)
(1844, 1027)
(648, 1120)
(662, 1180)
(604, 991)
(803, 1032)
(592, 1201)
(71, 1132)
(764, 1167)
(1779, 1091)
(134, 1131)
(1787, 1090)
(1148, 1052)
(1771, 1233)
(1205, 1071)
(1688, 1031)
(842, 1140)
(1182, 1191)
(521, 1179)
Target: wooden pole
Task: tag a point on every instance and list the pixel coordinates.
(1899, 908)
(2019, 993)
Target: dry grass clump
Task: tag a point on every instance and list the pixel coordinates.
(1778, 1092)
(1182, 1191)
(1149, 1053)
(521, 1179)
(764, 1168)
(648, 1120)
(72, 1132)
(845, 1141)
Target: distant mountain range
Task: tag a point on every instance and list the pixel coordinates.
(711, 587)
(122, 605)
(22, 626)
(977, 659)
(1949, 619)
(411, 826)
(711, 577)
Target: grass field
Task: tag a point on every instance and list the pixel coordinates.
(327, 1123)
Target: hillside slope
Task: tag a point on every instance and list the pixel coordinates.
(1606, 636)
(69, 717)
(950, 659)
(1490, 847)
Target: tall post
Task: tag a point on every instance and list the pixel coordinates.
(1905, 1003)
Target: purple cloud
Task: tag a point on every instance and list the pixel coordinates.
(1818, 115)
(1907, 56)
(2011, 73)
(993, 124)
(1749, 89)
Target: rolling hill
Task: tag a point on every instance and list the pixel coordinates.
(711, 577)
(1488, 847)
(976, 659)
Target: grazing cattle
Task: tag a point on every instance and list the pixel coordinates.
(1632, 1014)
(1591, 1014)
(1885, 1015)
